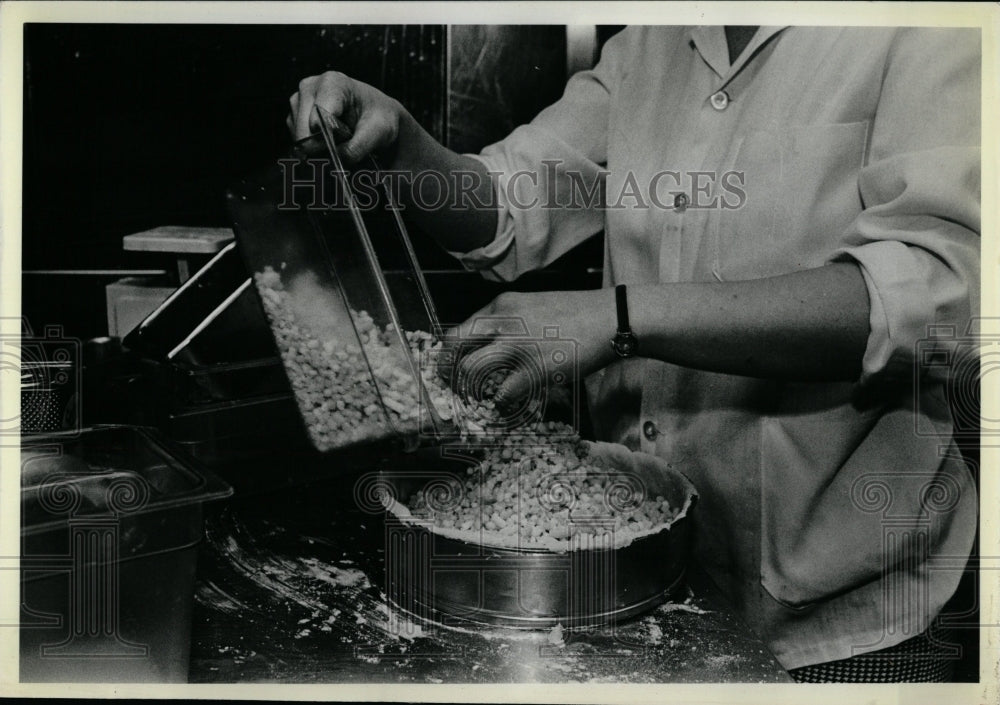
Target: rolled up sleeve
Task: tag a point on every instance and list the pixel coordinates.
(490, 256)
(917, 239)
(546, 171)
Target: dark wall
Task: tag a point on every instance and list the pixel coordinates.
(129, 127)
(501, 77)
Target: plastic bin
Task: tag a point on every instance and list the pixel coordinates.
(319, 264)
(209, 341)
(182, 385)
(111, 521)
(228, 432)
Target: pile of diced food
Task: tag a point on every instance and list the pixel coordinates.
(329, 371)
(541, 488)
(547, 495)
(330, 376)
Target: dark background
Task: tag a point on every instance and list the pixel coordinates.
(130, 127)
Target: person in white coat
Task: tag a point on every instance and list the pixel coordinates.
(794, 212)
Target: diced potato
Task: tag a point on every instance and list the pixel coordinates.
(546, 495)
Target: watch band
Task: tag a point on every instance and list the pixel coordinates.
(625, 343)
(621, 303)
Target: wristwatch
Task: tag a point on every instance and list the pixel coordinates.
(625, 344)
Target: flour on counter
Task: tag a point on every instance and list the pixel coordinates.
(681, 607)
(556, 636)
(334, 575)
(654, 630)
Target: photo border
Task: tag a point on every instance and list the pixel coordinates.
(13, 15)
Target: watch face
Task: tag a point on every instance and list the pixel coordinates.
(625, 344)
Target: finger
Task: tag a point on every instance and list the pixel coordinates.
(520, 395)
(303, 111)
(458, 341)
(476, 365)
(464, 330)
(333, 94)
(479, 374)
(293, 111)
(453, 352)
(372, 133)
(515, 387)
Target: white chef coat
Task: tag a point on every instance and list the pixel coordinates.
(836, 516)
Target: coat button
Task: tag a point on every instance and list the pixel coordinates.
(680, 202)
(720, 100)
(650, 431)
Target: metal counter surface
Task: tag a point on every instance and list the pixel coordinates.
(289, 590)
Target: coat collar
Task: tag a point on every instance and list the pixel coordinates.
(710, 42)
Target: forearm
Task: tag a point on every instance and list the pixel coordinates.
(811, 325)
(465, 216)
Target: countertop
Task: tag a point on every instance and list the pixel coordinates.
(288, 591)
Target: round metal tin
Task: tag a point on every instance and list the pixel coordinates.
(443, 577)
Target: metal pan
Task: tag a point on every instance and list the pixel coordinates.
(443, 578)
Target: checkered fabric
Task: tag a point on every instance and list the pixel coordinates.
(927, 658)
